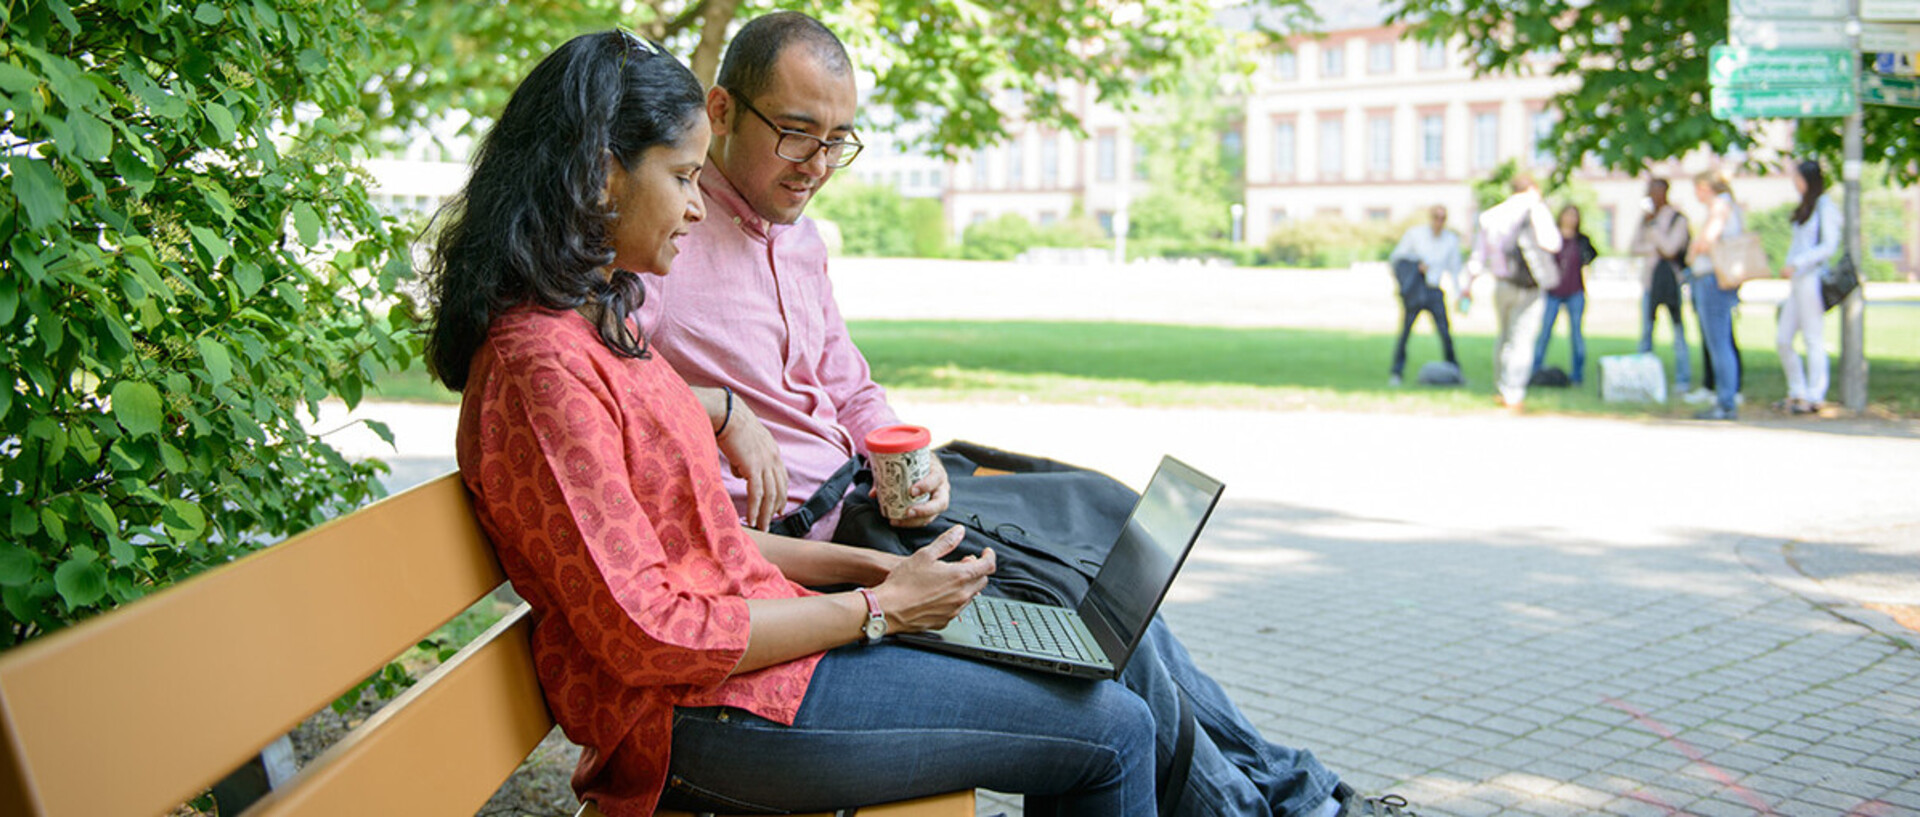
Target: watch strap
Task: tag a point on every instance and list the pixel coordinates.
(876, 624)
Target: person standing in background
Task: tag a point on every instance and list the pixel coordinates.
(1576, 252)
(1662, 240)
(1724, 220)
(1515, 244)
(1425, 256)
(1817, 227)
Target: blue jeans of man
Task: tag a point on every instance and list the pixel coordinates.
(1682, 360)
(1576, 306)
(1715, 306)
(1234, 769)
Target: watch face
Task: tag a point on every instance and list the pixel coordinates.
(875, 628)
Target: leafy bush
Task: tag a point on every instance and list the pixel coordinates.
(1239, 255)
(190, 262)
(927, 226)
(1000, 239)
(1331, 242)
(1881, 211)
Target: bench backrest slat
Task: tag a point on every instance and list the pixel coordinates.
(134, 711)
(442, 747)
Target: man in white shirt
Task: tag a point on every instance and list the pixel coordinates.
(1515, 244)
(1661, 241)
(1425, 255)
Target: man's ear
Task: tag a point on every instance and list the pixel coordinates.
(720, 110)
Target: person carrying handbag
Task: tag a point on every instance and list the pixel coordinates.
(1714, 303)
(1817, 229)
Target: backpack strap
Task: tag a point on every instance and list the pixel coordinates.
(797, 524)
(1172, 782)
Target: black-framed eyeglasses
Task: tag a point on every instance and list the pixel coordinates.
(800, 147)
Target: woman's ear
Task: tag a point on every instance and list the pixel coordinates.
(616, 179)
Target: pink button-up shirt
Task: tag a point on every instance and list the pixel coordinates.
(748, 305)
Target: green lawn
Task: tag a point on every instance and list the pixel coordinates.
(1162, 365)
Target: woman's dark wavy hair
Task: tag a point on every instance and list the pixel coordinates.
(1816, 185)
(532, 223)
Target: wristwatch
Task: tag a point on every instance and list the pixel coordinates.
(876, 624)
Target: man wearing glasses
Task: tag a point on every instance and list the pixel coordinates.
(748, 318)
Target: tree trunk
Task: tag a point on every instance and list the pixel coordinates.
(715, 17)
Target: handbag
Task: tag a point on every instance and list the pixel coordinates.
(1739, 259)
(1839, 281)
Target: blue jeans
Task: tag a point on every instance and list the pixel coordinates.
(1715, 306)
(1649, 311)
(1576, 305)
(890, 722)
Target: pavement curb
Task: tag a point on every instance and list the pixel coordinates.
(1768, 559)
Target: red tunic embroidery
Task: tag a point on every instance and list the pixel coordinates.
(598, 481)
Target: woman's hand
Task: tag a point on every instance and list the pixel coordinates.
(938, 493)
(924, 593)
(755, 457)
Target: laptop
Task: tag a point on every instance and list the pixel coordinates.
(1095, 639)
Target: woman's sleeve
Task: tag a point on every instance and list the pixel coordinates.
(555, 484)
(1826, 242)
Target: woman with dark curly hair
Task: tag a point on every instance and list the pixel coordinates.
(683, 651)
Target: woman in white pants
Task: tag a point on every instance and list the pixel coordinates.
(1817, 227)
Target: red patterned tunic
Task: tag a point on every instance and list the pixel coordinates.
(598, 481)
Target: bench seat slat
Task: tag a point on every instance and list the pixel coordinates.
(134, 711)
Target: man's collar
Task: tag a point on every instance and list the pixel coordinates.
(730, 205)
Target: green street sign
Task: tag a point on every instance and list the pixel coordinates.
(1782, 103)
(1877, 89)
(1739, 66)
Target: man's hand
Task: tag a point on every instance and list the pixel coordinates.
(755, 457)
(938, 492)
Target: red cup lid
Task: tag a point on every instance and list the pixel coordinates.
(898, 439)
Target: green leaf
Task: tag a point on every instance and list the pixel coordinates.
(380, 430)
(122, 551)
(162, 102)
(82, 579)
(55, 527)
(39, 190)
(172, 459)
(16, 564)
(22, 521)
(219, 364)
(222, 121)
(134, 171)
(92, 138)
(136, 405)
(211, 241)
(99, 513)
(17, 80)
(248, 275)
(308, 223)
(183, 520)
(209, 14)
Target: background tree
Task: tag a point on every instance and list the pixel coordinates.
(190, 263)
(1640, 93)
(941, 63)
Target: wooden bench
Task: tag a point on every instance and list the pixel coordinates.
(141, 709)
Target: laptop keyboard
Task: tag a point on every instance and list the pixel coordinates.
(1038, 630)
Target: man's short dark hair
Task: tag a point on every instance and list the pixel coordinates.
(748, 66)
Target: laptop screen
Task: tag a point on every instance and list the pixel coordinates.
(1141, 565)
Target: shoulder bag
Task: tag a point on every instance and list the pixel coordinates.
(1739, 259)
(1839, 281)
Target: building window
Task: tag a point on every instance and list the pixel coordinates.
(979, 217)
(1433, 56)
(1286, 65)
(1105, 218)
(1333, 158)
(980, 169)
(1380, 58)
(916, 178)
(935, 178)
(1277, 216)
(1283, 145)
(1543, 138)
(1050, 163)
(1433, 141)
(1380, 145)
(1108, 156)
(1139, 162)
(1333, 60)
(1017, 164)
(1048, 218)
(1232, 145)
(1378, 214)
(1486, 140)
